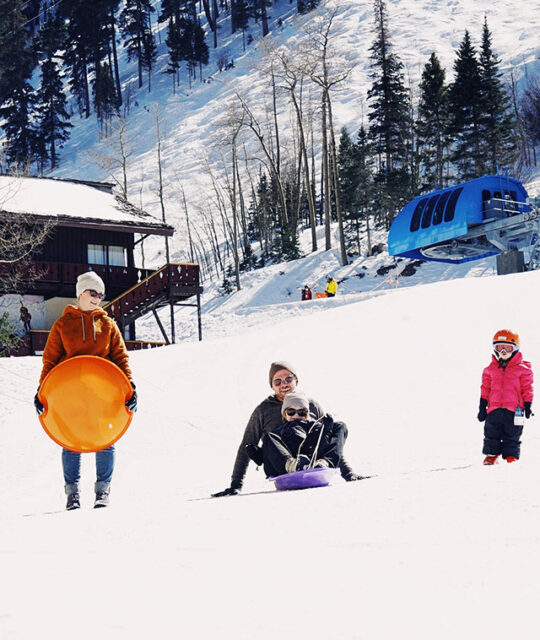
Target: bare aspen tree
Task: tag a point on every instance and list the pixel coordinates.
(21, 236)
(327, 70)
(160, 125)
(252, 123)
(114, 153)
(290, 75)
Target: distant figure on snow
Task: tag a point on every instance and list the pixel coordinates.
(306, 293)
(25, 317)
(266, 418)
(331, 287)
(505, 398)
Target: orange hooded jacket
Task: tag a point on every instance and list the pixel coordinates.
(84, 333)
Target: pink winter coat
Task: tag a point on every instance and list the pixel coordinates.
(508, 387)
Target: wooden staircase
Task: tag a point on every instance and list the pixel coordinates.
(172, 285)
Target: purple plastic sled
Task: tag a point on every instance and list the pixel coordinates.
(304, 479)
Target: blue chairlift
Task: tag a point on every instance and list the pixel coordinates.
(483, 217)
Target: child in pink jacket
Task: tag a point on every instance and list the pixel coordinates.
(506, 396)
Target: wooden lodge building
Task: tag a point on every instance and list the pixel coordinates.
(90, 229)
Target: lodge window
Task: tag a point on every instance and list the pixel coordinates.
(111, 255)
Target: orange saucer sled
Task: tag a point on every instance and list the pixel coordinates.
(84, 399)
(320, 294)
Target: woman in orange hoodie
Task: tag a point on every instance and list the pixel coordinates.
(86, 329)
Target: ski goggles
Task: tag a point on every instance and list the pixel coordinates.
(504, 347)
(95, 294)
(279, 381)
(296, 412)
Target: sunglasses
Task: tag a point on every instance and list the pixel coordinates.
(504, 346)
(299, 412)
(278, 381)
(95, 294)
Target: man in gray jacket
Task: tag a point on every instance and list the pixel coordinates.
(266, 417)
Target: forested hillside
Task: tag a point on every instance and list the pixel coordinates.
(244, 121)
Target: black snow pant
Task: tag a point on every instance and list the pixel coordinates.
(501, 435)
(277, 450)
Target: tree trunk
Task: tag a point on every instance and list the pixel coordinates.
(342, 248)
(326, 178)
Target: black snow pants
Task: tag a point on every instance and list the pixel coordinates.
(501, 435)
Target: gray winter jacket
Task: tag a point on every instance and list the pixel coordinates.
(265, 418)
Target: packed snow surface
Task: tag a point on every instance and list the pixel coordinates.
(433, 546)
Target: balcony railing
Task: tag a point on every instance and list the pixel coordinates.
(62, 273)
(183, 276)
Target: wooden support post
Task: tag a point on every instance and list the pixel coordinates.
(161, 326)
(171, 303)
(199, 315)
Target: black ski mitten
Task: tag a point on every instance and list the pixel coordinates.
(131, 404)
(482, 410)
(40, 408)
(233, 490)
(528, 412)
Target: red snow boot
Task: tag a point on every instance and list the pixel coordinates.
(490, 459)
(512, 459)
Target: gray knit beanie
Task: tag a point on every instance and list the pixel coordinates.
(89, 280)
(276, 366)
(295, 399)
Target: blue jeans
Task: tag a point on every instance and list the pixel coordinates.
(71, 464)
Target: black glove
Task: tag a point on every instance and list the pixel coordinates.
(528, 412)
(233, 490)
(131, 404)
(352, 477)
(482, 410)
(255, 453)
(40, 408)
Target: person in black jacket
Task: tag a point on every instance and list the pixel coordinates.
(300, 442)
(266, 417)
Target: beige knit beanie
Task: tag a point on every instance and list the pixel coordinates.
(295, 399)
(89, 280)
(276, 366)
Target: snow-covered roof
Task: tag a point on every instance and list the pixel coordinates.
(71, 203)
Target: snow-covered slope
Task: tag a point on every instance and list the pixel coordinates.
(433, 546)
(192, 119)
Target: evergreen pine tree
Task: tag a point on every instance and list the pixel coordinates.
(201, 54)
(356, 183)
(432, 124)
(305, 6)
(240, 17)
(465, 97)
(52, 118)
(134, 22)
(90, 54)
(497, 124)
(389, 117)
(16, 93)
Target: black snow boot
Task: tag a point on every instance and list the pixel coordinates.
(102, 499)
(73, 502)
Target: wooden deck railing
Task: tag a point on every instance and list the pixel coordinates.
(172, 274)
(66, 273)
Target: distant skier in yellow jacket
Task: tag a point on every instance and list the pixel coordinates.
(331, 287)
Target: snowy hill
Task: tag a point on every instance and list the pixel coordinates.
(192, 119)
(434, 546)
